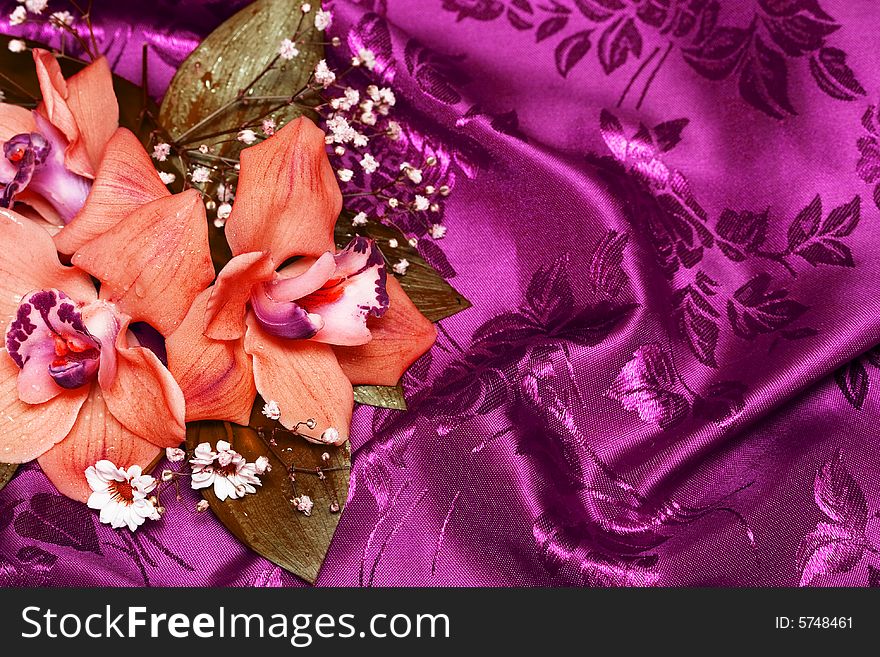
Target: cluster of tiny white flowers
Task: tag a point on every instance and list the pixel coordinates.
(369, 163)
(161, 151)
(366, 58)
(247, 136)
(60, 18)
(323, 20)
(18, 16)
(17, 45)
(323, 75)
(271, 410)
(201, 174)
(304, 504)
(35, 6)
(288, 50)
(226, 471)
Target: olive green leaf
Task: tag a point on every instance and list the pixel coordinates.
(234, 76)
(381, 396)
(267, 521)
(7, 471)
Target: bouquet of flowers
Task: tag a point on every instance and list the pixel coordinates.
(185, 282)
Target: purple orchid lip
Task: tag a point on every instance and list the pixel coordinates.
(283, 319)
(27, 152)
(48, 333)
(39, 161)
(75, 370)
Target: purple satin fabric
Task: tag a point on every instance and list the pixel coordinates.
(666, 220)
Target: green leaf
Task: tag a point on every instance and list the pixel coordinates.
(381, 396)
(267, 521)
(7, 471)
(217, 73)
(18, 80)
(432, 295)
(220, 69)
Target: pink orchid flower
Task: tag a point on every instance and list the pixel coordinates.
(303, 334)
(82, 376)
(51, 154)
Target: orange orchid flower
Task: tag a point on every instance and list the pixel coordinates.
(51, 154)
(82, 376)
(303, 334)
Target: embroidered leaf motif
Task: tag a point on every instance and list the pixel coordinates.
(7, 513)
(616, 43)
(839, 495)
(755, 309)
(550, 27)
(800, 33)
(606, 270)
(718, 55)
(571, 50)
(833, 76)
(517, 21)
(836, 546)
(595, 14)
(701, 333)
(828, 550)
(648, 385)
(763, 81)
(814, 240)
(868, 166)
(853, 381)
(668, 134)
(59, 520)
(593, 324)
(723, 401)
(549, 294)
(747, 229)
(805, 224)
(612, 133)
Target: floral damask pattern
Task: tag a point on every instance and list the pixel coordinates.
(659, 203)
(838, 543)
(757, 54)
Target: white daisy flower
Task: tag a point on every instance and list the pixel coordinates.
(226, 470)
(121, 495)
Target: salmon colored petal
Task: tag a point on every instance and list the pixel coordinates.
(144, 396)
(155, 262)
(224, 315)
(14, 120)
(94, 106)
(287, 199)
(38, 208)
(83, 108)
(399, 338)
(96, 435)
(126, 180)
(28, 262)
(304, 378)
(216, 376)
(28, 430)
